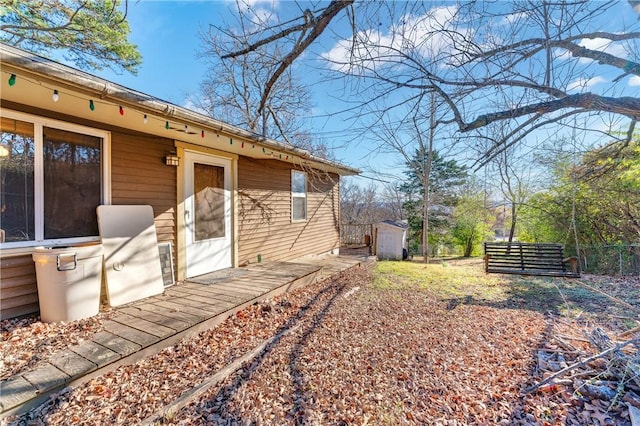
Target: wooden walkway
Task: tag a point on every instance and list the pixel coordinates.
(144, 328)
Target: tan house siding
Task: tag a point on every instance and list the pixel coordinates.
(18, 289)
(264, 212)
(140, 176)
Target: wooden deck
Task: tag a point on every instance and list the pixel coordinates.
(144, 328)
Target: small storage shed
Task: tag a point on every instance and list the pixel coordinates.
(391, 239)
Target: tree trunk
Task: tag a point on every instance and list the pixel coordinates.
(426, 177)
(514, 214)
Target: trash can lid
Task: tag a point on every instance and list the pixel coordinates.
(82, 252)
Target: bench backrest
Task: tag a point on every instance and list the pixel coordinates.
(526, 258)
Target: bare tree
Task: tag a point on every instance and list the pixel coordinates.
(233, 88)
(537, 60)
(514, 184)
(413, 140)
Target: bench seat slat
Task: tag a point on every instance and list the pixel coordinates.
(527, 259)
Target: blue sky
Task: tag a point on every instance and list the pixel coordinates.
(166, 33)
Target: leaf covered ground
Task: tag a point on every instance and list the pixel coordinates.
(393, 343)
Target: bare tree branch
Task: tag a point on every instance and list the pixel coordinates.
(321, 23)
(627, 106)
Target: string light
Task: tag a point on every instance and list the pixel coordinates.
(92, 106)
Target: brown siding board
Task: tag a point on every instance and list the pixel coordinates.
(21, 310)
(19, 280)
(140, 176)
(9, 262)
(15, 291)
(264, 201)
(17, 271)
(16, 302)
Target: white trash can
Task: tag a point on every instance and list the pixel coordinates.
(69, 281)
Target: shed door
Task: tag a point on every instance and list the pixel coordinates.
(207, 213)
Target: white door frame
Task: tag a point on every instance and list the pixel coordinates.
(209, 255)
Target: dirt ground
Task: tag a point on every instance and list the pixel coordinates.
(387, 344)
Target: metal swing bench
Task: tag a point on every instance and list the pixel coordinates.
(529, 259)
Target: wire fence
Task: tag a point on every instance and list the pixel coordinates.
(621, 259)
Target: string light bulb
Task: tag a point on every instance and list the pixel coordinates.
(144, 119)
(202, 134)
(166, 125)
(230, 141)
(55, 96)
(92, 106)
(12, 80)
(121, 110)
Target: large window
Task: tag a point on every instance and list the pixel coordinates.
(298, 195)
(52, 178)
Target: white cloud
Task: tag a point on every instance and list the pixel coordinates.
(192, 105)
(514, 17)
(597, 44)
(602, 45)
(263, 10)
(250, 4)
(634, 81)
(585, 83)
(422, 34)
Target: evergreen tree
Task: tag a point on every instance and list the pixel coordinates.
(93, 34)
(445, 180)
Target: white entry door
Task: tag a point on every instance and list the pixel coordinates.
(207, 213)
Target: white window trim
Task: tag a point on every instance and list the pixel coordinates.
(38, 179)
(299, 195)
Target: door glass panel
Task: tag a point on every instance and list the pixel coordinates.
(208, 201)
(17, 149)
(72, 184)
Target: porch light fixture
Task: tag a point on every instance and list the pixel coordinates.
(172, 159)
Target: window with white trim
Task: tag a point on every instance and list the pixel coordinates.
(298, 195)
(52, 178)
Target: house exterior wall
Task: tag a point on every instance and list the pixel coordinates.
(264, 212)
(138, 176)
